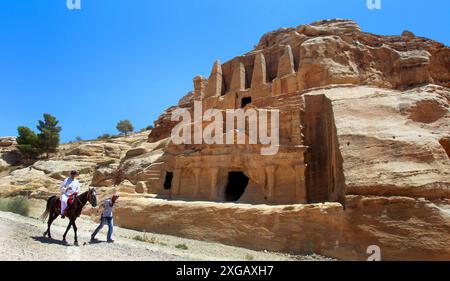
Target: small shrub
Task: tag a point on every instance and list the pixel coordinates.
(182, 246)
(104, 137)
(18, 205)
(85, 171)
(249, 257)
(145, 238)
(139, 238)
(148, 128)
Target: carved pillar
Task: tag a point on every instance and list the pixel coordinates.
(214, 88)
(270, 183)
(300, 186)
(199, 87)
(214, 173)
(286, 62)
(259, 76)
(238, 77)
(197, 181)
(175, 190)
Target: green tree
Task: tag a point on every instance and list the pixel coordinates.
(125, 127)
(48, 138)
(27, 142)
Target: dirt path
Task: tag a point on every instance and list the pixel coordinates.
(21, 239)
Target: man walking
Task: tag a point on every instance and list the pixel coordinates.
(107, 217)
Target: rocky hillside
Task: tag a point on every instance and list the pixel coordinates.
(91, 158)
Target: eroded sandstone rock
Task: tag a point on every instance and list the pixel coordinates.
(404, 228)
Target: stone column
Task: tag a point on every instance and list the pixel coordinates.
(270, 183)
(197, 181)
(300, 186)
(176, 182)
(214, 173)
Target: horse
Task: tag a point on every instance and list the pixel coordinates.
(73, 211)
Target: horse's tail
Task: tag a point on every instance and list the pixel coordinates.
(47, 209)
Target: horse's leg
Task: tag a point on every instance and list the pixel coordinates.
(75, 230)
(51, 218)
(67, 230)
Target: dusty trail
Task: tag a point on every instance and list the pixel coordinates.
(21, 239)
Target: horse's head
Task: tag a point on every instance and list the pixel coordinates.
(92, 197)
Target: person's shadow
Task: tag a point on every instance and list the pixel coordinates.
(95, 242)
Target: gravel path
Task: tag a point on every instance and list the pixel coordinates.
(21, 239)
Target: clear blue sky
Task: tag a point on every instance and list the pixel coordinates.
(131, 59)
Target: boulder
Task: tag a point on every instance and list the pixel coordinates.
(134, 152)
(104, 176)
(140, 187)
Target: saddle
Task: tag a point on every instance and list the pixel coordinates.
(70, 201)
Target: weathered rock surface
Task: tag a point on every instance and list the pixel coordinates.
(96, 160)
(391, 140)
(403, 228)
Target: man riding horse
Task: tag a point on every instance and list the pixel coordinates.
(69, 189)
(58, 206)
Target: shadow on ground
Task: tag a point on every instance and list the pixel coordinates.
(47, 240)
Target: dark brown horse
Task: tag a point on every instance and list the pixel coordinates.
(73, 211)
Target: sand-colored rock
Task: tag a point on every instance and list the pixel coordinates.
(60, 169)
(404, 228)
(136, 152)
(389, 146)
(104, 175)
(141, 187)
(88, 150)
(7, 141)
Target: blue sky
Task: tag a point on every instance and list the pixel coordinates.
(131, 59)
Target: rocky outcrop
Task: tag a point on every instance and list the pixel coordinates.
(7, 141)
(97, 161)
(387, 148)
(9, 155)
(403, 228)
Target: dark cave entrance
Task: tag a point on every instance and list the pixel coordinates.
(245, 101)
(237, 182)
(168, 180)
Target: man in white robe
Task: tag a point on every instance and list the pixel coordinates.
(68, 187)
